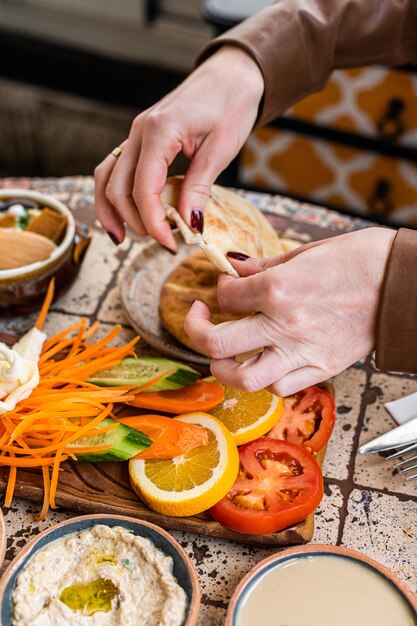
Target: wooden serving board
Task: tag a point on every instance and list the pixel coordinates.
(105, 488)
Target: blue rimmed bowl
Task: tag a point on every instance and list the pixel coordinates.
(257, 590)
(183, 569)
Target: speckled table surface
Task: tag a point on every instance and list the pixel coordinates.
(366, 506)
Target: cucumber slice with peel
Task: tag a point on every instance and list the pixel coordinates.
(125, 443)
(138, 372)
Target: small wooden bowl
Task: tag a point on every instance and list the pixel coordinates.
(183, 569)
(248, 582)
(22, 289)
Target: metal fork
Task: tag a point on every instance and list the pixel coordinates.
(403, 466)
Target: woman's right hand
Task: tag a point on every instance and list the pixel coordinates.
(208, 117)
(312, 312)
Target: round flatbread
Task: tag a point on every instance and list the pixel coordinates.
(194, 279)
(231, 223)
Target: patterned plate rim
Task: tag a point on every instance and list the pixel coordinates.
(138, 270)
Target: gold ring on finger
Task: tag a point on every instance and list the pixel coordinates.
(116, 152)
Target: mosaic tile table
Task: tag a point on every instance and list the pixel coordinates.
(365, 507)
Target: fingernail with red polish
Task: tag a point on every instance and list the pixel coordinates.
(113, 238)
(197, 220)
(238, 256)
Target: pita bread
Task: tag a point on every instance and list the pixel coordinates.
(194, 279)
(230, 223)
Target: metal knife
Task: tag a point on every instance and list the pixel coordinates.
(403, 435)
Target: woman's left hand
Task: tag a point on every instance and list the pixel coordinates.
(313, 313)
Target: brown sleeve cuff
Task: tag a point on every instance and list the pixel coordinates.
(274, 40)
(396, 332)
(297, 43)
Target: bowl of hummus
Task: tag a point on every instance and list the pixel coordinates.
(99, 570)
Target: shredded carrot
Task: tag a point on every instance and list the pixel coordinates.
(46, 494)
(46, 304)
(24, 462)
(54, 479)
(77, 341)
(11, 483)
(43, 429)
(90, 331)
(55, 338)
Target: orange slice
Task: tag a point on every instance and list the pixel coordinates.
(193, 482)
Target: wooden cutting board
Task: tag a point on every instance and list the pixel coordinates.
(105, 488)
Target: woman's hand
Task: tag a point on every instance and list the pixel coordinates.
(208, 117)
(314, 313)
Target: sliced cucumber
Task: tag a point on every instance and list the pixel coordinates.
(125, 443)
(138, 372)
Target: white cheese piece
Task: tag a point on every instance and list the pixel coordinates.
(18, 210)
(19, 373)
(31, 344)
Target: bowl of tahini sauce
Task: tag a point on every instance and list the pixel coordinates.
(321, 586)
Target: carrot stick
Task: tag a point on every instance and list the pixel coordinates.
(23, 462)
(90, 331)
(11, 483)
(58, 336)
(58, 381)
(60, 346)
(46, 304)
(78, 339)
(54, 479)
(87, 353)
(80, 433)
(46, 491)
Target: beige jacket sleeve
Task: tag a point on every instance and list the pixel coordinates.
(297, 43)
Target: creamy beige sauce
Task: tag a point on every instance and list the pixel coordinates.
(103, 576)
(323, 591)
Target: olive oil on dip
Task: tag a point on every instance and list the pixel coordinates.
(322, 590)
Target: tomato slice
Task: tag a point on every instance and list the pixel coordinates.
(307, 419)
(278, 485)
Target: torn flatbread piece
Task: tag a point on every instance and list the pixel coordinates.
(230, 223)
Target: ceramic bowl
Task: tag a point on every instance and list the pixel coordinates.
(183, 569)
(22, 289)
(248, 583)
